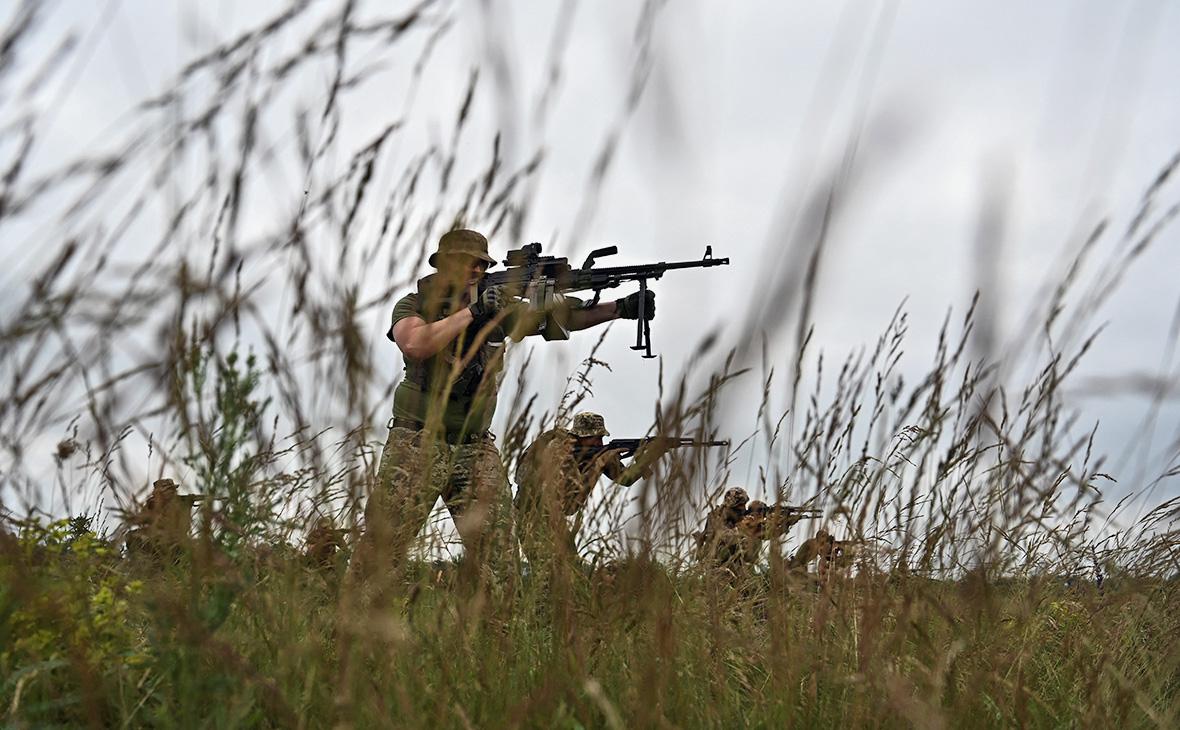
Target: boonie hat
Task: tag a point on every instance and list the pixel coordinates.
(465, 242)
(589, 424)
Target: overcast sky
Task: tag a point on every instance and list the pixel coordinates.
(1064, 111)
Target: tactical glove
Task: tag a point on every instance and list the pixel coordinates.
(489, 304)
(628, 307)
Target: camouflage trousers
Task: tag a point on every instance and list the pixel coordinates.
(545, 532)
(415, 471)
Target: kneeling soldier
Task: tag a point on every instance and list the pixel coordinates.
(721, 544)
(557, 473)
(162, 528)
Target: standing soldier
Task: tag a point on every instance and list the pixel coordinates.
(555, 476)
(452, 337)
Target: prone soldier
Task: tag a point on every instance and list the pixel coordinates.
(818, 546)
(834, 556)
(838, 558)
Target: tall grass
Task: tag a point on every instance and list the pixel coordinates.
(992, 585)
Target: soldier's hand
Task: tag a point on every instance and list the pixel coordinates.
(489, 304)
(628, 307)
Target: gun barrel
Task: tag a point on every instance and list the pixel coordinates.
(657, 270)
(678, 440)
(701, 444)
(788, 511)
(698, 264)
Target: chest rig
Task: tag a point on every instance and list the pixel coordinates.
(435, 304)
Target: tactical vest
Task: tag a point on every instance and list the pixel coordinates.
(420, 373)
(429, 376)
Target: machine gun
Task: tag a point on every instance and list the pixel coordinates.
(540, 279)
(626, 448)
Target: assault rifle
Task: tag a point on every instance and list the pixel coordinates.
(626, 448)
(539, 279)
(782, 514)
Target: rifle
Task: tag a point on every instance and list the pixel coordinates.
(628, 447)
(539, 279)
(783, 514)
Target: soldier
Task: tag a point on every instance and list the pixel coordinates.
(838, 558)
(734, 532)
(721, 544)
(820, 546)
(162, 527)
(555, 477)
(323, 544)
(756, 527)
(451, 337)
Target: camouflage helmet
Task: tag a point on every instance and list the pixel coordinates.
(588, 425)
(735, 497)
(465, 242)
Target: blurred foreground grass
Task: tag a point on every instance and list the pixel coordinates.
(93, 638)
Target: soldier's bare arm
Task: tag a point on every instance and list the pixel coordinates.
(580, 318)
(585, 318)
(419, 339)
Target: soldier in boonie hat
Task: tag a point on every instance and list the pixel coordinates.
(462, 242)
(589, 425)
(555, 477)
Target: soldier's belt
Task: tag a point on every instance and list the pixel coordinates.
(451, 438)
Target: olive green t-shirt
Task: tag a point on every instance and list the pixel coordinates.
(471, 403)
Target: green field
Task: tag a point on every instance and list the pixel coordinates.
(260, 640)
